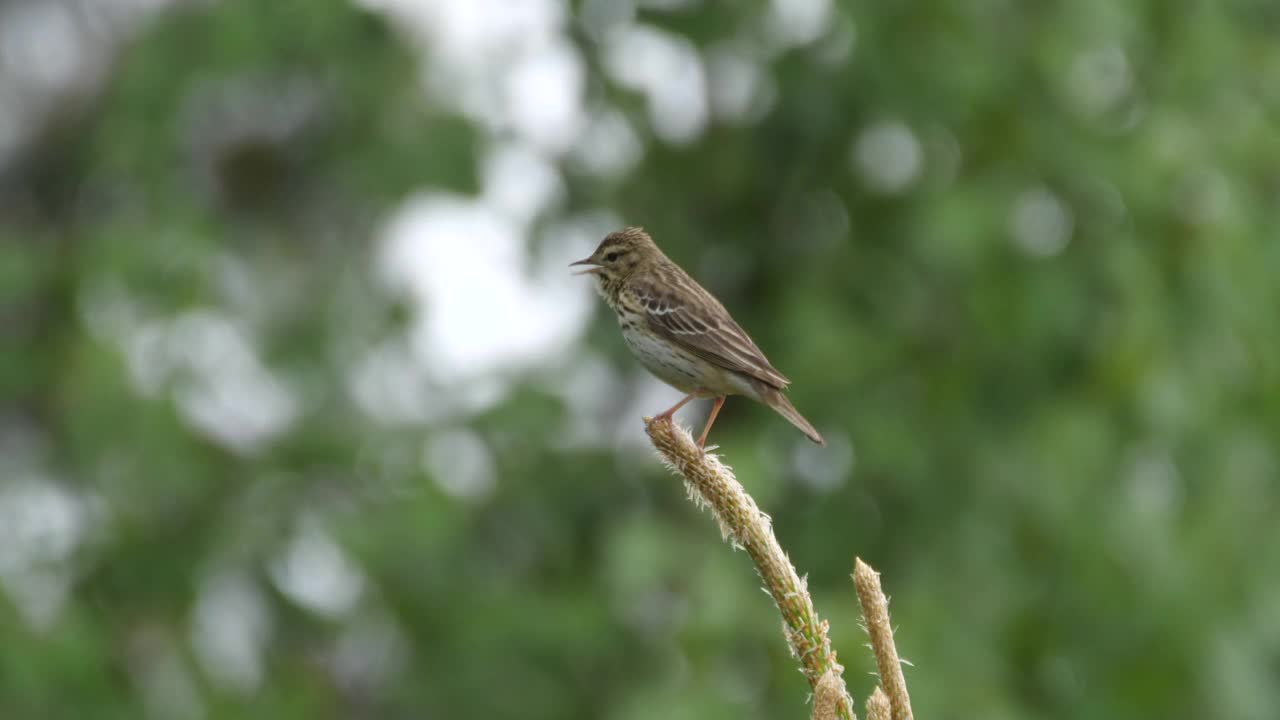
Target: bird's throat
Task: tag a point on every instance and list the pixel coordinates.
(608, 290)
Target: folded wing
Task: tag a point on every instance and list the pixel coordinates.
(701, 325)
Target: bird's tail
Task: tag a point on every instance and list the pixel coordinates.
(775, 399)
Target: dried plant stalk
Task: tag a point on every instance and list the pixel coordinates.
(875, 613)
(711, 484)
(878, 706)
(827, 697)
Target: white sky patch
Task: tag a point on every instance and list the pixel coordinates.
(609, 147)
(461, 464)
(204, 356)
(520, 181)
(230, 629)
(739, 89)
(475, 32)
(888, 157)
(390, 384)
(316, 574)
(1040, 223)
(507, 64)
(511, 66)
(40, 43)
(41, 525)
(798, 22)
(544, 94)
(53, 51)
(480, 311)
(667, 69)
(220, 386)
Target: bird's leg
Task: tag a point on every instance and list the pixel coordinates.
(667, 415)
(715, 410)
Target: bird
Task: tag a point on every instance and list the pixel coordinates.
(680, 332)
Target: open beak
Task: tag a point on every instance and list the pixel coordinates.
(593, 269)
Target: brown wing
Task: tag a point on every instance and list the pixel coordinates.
(693, 319)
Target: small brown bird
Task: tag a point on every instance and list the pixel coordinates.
(680, 332)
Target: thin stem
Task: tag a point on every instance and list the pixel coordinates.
(875, 614)
(827, 697)
(878, 706)
(711, 484)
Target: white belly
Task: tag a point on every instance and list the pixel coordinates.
(679, 368)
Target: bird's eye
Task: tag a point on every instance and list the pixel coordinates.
(611, 257)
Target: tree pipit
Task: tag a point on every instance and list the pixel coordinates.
(681, 333)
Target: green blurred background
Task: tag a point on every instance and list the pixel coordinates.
(303, 415)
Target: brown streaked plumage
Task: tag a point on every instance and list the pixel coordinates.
(680, 332)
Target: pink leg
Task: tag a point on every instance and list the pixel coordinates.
(715, 410)
(667, 415)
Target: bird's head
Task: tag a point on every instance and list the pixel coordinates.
(620, 254)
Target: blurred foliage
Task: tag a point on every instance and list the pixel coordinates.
(1020, 260)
